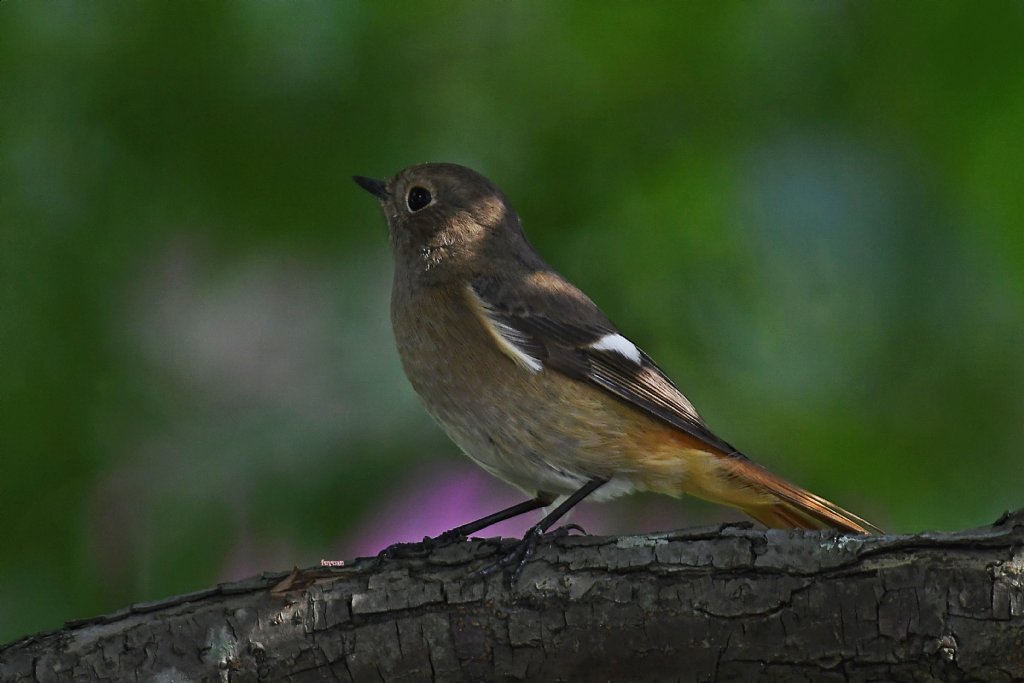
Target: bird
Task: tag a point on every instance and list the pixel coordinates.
(534, 382)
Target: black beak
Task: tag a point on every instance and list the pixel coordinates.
(378, 188)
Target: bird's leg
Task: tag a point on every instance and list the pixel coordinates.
(461, 532)
(525, 549)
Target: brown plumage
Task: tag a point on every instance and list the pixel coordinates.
(528, 376)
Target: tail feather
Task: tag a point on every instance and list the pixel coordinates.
(790, 506)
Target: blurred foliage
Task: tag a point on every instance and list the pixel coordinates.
(810, 213)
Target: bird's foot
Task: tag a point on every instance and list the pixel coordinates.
(420, 548)
(512, 563)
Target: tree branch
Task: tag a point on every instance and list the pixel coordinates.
(721, 604)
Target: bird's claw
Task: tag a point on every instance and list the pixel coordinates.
(567, 529)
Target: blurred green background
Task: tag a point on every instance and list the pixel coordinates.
(810, 213)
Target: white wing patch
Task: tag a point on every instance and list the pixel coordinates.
(507, 337)
(618, 344)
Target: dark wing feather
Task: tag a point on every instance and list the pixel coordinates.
(560, 329)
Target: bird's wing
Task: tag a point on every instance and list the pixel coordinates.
(558, 328)
(546, 324)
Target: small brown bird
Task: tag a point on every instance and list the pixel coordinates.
(534, 383)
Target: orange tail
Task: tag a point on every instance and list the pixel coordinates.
(788, 506)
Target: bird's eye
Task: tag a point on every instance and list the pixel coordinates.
(418, 198)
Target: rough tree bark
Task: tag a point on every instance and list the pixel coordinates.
(722, 604)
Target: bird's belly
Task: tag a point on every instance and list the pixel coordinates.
(517, 445)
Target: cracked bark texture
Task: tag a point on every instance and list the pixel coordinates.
(722, 604)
